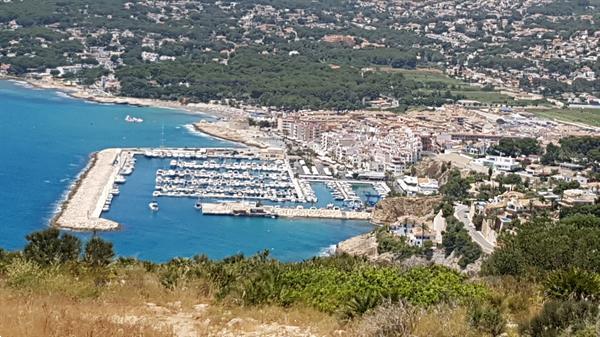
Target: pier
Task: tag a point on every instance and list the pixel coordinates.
(86, 200)
(250, 209)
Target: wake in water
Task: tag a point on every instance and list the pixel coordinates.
(192, 130)
(328, 251)
(23, 84)
(63, 95)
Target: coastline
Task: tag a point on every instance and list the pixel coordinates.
(218, 111)
(226, 132)
(79, 92)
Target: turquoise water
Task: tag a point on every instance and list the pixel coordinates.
(46, 139)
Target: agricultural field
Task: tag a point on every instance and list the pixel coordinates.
(585, 116)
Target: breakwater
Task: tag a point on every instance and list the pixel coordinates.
(251, 209)
(84, 204)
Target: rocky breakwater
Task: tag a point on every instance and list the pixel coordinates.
(83, 206)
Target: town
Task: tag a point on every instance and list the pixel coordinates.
(506, 53)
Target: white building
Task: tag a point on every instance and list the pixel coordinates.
(418, 186)
(499, 163)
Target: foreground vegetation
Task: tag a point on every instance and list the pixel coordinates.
(542, 281)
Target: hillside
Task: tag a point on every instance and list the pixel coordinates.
(533, 285)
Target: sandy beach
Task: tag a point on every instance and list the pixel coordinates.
(228, 131)
(216, 110)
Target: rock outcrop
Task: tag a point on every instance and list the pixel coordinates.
(390, 210)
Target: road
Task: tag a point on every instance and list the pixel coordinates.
(461, 212)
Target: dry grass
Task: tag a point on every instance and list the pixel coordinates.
(443, 321)
(26, 314)
(520, 300)
(387, 320)
(316, 322)
(133, 302)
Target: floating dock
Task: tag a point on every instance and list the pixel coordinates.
(244, 209)
(83, 207)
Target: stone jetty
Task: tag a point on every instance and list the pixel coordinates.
(83, 207)
(241, 208)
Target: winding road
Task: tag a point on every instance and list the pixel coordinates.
(461, 212)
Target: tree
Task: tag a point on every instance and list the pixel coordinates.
(456, 188)
(551, 155)
(456, 239)
(515, 147)
(50, 247)
(98, 253)
(541, 246)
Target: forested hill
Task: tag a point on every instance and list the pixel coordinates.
(296, 54)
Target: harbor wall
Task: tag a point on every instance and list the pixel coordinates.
(83, 207)
(231, 208)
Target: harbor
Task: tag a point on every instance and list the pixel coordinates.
(43, 173)
(223, 181)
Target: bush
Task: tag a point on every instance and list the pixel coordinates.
(49, 247)
(21, 273)
(487, 319)
(558, 316)
(574, 284)
(98, 253)
(340, 284)
(387, 320)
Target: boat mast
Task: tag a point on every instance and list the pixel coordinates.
(162, 136)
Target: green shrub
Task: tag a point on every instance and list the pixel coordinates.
(487, 319)
(557, 317)
(50, 247)
(22, 273)
(98, 253)
(573, 284)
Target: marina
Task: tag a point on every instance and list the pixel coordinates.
(254, 182)
(58, 155)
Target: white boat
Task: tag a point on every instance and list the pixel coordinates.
(198, 204)
(130, 119)
(153, 206)
(120, 179)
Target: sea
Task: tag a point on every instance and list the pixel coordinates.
(46, 138)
